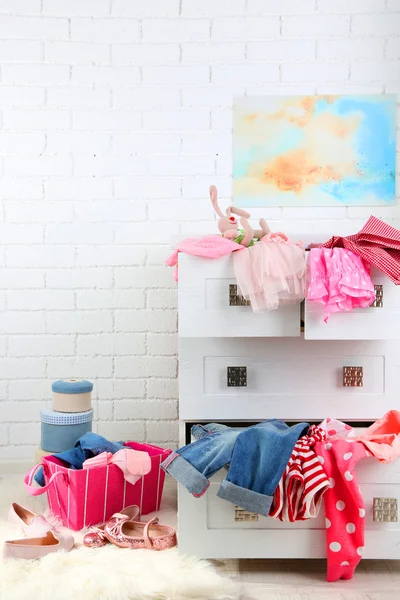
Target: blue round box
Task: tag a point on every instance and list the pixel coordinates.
(72, 386)
(72, 395)
(61, 430)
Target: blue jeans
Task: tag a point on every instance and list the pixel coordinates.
(257, 455)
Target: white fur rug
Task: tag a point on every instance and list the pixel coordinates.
(107, 573)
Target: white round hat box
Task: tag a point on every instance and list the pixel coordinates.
(72, 395)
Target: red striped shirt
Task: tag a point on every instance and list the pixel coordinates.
(303, 483)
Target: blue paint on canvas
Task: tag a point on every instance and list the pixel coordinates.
(375, 143)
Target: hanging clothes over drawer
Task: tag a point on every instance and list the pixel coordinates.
(257, 456)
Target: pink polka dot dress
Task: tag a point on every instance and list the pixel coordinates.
(344, 506)
(338, 279)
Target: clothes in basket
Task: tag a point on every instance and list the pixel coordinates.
(85, 497)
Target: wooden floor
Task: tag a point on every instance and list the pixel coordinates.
(305, 580)
(299, 579)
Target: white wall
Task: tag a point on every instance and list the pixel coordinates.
(116, 117)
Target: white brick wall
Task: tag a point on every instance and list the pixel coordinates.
(116, 118)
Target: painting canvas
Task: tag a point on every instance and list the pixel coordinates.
(315, 151)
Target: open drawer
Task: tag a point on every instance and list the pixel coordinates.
(380, 321)
(209, 305)
(221, 530)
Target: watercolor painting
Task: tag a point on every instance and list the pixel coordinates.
(315, 151)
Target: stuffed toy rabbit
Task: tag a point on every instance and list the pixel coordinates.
(228, 224)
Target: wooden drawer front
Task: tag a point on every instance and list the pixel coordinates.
(205, 311)
(380, 323)
(216, 533)
(300, 381)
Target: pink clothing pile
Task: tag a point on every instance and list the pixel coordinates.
(344, 505)
(271, 272)
(210, 246)
(378, 243)
(336, 429)
(382, 439)
(299, 493)
(338, 279)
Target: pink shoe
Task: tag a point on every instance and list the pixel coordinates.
(38, 547)
(32, 524)
(134, 534)
(95, 538)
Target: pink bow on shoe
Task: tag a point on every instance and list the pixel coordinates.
(95, 538)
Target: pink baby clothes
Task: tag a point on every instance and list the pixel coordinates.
(104, 458)
(335, 428)
(339, 280)
(344, 506)
(299, 493)
(133, 463)
(378, 243)
(383, 437)
(271, 272)
(210, 246)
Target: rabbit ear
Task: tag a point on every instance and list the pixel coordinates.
(240, 212)
(264, 227)
(214, 200)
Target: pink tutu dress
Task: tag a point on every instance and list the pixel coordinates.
(271, 272)
(338, 279)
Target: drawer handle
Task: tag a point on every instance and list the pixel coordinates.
(385, 510)
(234, 298)
(242, 515)
(236, 376)
(378, 302)
(353, 376)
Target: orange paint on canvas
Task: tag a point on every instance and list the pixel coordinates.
(293, 171)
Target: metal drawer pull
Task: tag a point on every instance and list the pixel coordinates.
(353, 376)
(385, 510)
(378, 297)
(236, 376)
(242, 515)
(234, 298)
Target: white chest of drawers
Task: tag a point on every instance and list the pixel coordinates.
(239, 367)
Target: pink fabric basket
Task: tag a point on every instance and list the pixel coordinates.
(85, 497)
